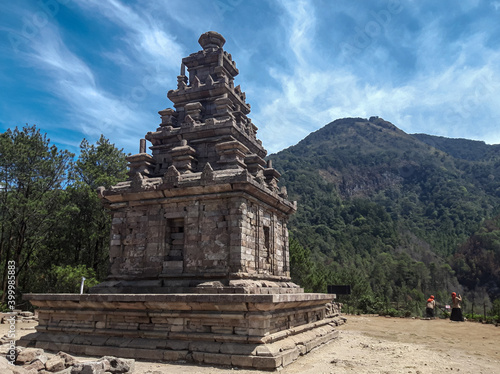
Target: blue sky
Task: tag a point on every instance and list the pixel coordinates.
(78, 69)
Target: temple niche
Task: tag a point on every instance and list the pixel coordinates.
(199, 259)
(203, 212)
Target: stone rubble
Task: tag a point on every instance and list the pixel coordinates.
(35, 361)
(20, 316)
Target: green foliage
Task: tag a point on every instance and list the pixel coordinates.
(52, 224)
(32, 175)
(304, 270)
(391, 312)
(368, 304)
(495, 310)
(67, 279)
(4, 308)
(477, 261)
(101, 164)
(480, 318)
(470, 150)
(85, 230)
(300, 263)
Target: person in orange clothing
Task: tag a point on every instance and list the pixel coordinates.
(429, 307)
(456, 310)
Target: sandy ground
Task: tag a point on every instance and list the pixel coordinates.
(376, 345)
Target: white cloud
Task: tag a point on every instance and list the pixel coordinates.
(145, 34)
(300, 22)
(452, 92)
(146, 50)
(87, 106)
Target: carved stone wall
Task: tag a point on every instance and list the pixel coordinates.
(195, 237)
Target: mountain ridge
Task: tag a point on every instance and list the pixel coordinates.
(470, 150)
(367, 189)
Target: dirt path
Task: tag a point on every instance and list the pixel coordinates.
(379, 345)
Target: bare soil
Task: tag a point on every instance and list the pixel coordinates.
(372, 344)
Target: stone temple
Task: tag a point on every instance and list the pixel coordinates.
(199, 260)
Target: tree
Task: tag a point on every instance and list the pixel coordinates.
(32, 176)
(300, 263)
(305, 271)
(85, 231)
(101, 164)
(68, 278)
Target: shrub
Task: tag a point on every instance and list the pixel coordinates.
(68, 278)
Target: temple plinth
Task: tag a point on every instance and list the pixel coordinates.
(199, 259)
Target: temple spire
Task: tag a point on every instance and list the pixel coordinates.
(211, 39)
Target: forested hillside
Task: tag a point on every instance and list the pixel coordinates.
(396, 216)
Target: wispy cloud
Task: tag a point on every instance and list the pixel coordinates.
(87, 106)
(145, 35)
(53, 54)
(285, 110)
(454, 85)
(300, 15)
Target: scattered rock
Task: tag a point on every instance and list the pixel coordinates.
(65, 371)
(4, 366)
(55, 364)
(118, 365)
(26, 314)
(34, 361)
(5, 340)
(19, 315)
(90, 367)
(28, 355)
(68, 359)
(37, 365)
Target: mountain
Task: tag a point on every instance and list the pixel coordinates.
(391, 213)
(470, 150)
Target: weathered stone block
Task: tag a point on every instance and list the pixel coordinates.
(90, 367)
(216, 359)
(115, 341)
(175, 355)
(267, 363)
(198, 357)
(239, 349)
(211, 347)
(36, 366)
(242, 361)
(90, 340)
(289, 356)
(69, 360)
(28, 355)
(177, 345)
(222, 329)
(113, 364)
(55, 363)
(145, 343)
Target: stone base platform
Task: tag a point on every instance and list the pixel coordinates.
(197, 286)
(251, 331)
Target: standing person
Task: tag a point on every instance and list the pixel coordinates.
(456, 311)
(429, 307)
